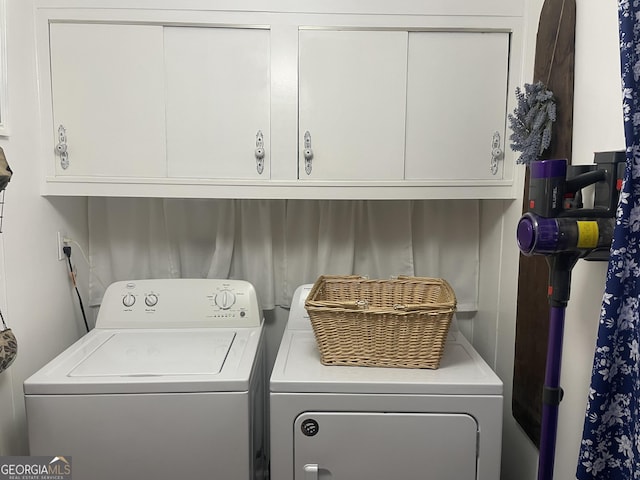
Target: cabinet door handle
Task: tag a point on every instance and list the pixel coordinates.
(496, 153)
(311, 471)
(61, 147)
(308, 153)
(259, 152)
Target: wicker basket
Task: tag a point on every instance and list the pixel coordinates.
(400, 322)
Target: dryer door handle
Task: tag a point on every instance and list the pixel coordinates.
(311, 471)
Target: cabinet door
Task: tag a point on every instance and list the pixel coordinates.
(352, 92)
(108, 94)
(217, 101)
(383, 446)
(456, 102)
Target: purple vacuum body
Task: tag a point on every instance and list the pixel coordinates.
(556, 222)
(547, 186)
(557, 227)
(546, 236)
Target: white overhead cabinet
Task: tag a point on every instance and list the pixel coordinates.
(107, 90)
(398, 105)
(352, 104)
(237, 103)
(160, 102)
(456, 104)
(217, 102)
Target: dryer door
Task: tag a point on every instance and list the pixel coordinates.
(380, 446)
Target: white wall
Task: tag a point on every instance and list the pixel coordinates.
(35, 294)
(597, 127)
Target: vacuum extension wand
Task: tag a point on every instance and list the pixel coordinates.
(558, 227)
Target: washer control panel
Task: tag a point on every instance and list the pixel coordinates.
(179, 303)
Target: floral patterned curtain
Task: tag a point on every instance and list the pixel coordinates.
(610, 446)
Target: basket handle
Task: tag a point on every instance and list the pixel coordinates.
(410, 307)
(353, 305)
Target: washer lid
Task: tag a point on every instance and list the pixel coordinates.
(141, 354)
(131, 361)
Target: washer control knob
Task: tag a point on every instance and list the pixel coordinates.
(151, 300)
(225, 299)
(128, 300)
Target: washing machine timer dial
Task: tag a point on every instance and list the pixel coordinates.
(225, 299)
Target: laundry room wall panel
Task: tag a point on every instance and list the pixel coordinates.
(4, 110)
(39, 305)
(6, 380)
(493, 252)
(7, 420)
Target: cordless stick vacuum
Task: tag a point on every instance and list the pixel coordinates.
(559, 227)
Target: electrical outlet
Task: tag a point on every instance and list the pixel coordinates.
(61, 243)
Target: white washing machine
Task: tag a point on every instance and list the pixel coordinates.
(169, 384)
(363, 423)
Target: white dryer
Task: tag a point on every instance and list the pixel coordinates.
(363, 423)
(170, 384)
